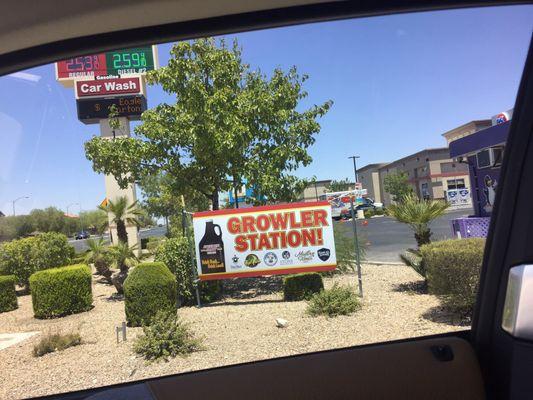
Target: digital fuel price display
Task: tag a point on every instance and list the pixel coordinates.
(137, 60)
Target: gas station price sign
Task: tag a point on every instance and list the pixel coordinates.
(137, 60)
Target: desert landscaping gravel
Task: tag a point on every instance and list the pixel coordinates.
(239, 328)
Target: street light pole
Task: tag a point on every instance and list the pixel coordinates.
(354, 167)
(356, 239)
(14, 201)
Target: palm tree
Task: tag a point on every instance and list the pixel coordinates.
(122, 214)
(418, 214)
(99, 256)
(124, 258)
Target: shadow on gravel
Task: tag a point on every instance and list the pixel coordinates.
(115, 297)
(242, 303)
(415, 287)
(249, 288)
(441, 315)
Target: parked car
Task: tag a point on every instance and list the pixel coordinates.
(82, 235)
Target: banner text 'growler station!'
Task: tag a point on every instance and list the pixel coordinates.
(269, 240)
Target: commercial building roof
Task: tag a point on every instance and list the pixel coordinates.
(482, 139)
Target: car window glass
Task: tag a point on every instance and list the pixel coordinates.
(249, 196)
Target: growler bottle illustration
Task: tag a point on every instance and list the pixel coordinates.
(212, 249)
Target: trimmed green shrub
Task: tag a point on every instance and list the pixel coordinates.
(339, 300)
(8, 296)
(301, 286)
(167, 336)
(56, 342)
(176, 255)
(61, 291)
(16, 259)
(52, 250)
(149, 288)
(452, 270)
(23, 257)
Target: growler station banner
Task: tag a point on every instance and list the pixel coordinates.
(269, 240)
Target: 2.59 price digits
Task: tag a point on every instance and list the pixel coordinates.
(129, 60)
(85, 63)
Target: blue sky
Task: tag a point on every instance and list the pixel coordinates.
(397, 82)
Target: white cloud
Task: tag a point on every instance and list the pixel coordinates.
(25, 76)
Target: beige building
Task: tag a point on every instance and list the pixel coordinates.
(466, 129)
(368, 176)
(315, 190)
(430, 172)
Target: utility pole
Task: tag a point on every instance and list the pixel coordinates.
(356, 239)
(14, 201)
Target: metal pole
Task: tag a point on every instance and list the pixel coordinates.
(356, 239)
(14, 201)
(357, 257)
(194, 273)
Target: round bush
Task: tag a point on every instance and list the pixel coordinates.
(339, 300)
(149, 288)
(301, 286)
(61, 291)
(23, 257)
(8, 297)
(453, 268)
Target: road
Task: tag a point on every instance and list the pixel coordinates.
(81, 245)
(385, 238)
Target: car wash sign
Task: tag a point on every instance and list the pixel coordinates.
(269, 240)
(109, 87)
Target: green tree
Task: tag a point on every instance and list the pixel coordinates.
(94, 221)
(228, 125)
(418, 214)
(162, 199)
(340, 185)
(124, 257)
(122, 213)
(100, 256)
(397, 185)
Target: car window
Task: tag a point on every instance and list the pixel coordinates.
(188, 205)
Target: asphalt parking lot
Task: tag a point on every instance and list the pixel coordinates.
(386, 238)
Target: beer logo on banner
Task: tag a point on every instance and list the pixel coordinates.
(323, 254)
(235, 262)
(305, 256)
(252, 261)
(270, 259)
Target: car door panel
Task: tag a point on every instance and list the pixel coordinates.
(400, 370)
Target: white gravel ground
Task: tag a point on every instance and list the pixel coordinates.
(237, 329)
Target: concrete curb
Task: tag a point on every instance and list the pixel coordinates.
(382, 262)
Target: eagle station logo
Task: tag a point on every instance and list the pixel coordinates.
(270, 259)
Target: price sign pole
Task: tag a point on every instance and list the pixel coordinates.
(112, 189)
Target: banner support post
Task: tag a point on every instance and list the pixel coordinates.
(357, 257)
(196, 279)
